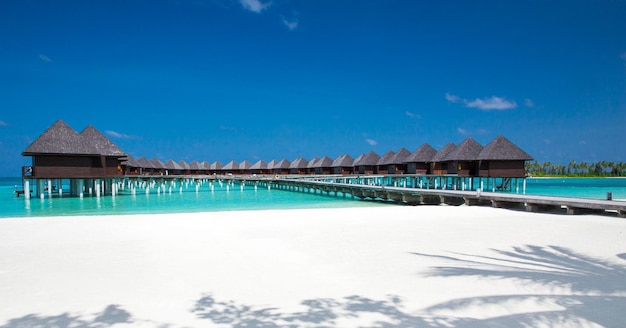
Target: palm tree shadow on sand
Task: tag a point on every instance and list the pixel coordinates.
(596, 287)
(596, 294)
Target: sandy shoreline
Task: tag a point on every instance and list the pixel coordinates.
(431, 266)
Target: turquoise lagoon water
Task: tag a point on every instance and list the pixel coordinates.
(204, 200)
(249, 199)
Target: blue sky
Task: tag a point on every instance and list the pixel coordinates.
(248, 79)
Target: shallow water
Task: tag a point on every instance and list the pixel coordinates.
(221, 199)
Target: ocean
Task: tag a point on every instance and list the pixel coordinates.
(232, 199)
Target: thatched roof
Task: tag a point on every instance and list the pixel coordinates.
(443, 152)
(468, 150)
(271, 164)
(195, 165)
(101, 144)
(205, 165)
(399, 157)
(260, 165)
(312, 162)
(232, 165)
(502, 149)
(171, 165)
(324, 162)
(368, 159)
(386, 158)
(157, 163)
(423, 154)
(60, 138)
(216, 166)
(299, 163)
(144, 163)
(130, 162)
(184, 165)
(245, 165)
(344, 160)
(283, 164)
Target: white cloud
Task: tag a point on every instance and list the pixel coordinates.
(529, 103)
(291, 24)
(3, 123)
(461, 131)
(582, 142)
(45, 58)
(492, 103)
(413, 115)
(371, 142)
(118, 135)
(547, 141)
(623, 55)
(465, 132)
(254, 5)
(452, 98)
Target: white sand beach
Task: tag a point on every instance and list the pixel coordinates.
(388, 266)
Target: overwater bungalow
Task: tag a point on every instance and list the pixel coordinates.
(323, 165)
(310, 167)
(397, 165)
(130, 166)
(463, 161)
(215, 167)
(439, 165)
(343, 164)
(502, 158)
(382, 166)
(174, 168)
(231, 167)
(146, 167)
(419, 161)
(259, 167)
(245, 167)
(206, 167)
(281, 167)
(62, 153)
(298, 166)
(185, 166)
(159, 167)
(367, 163)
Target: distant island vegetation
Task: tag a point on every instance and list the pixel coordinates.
(574, 169)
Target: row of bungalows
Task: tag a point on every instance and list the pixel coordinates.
(500, 158)
(61, 152)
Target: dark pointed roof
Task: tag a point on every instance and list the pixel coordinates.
(312, 162)
(101, 144)
(468, 150)
(217, 165)
(299, 163)
(130, 162)
(184, 165)
(245, 165)
(502, 149)
(283, 164)
(368, 159)
(232, 165)
(344, 160)
(59, 138)
(399, 157)
(145, 163)
(324, 162)
(157, 163)
(443, 152)
(195, 165)
(171, 165)
(386, 158)
(423, 154)
(260, 165)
